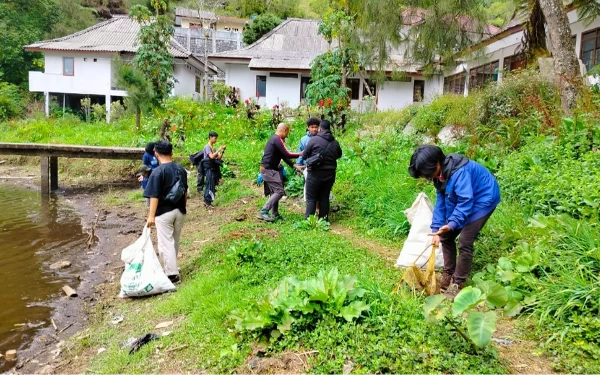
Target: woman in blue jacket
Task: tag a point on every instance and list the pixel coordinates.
(467, 195)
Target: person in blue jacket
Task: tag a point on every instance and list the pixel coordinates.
(467, 195)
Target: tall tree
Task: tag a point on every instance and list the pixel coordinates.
(566, 65)
(153, 58)
(259, 27)
(23, 22)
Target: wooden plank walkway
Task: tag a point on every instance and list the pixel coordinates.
(49, 154)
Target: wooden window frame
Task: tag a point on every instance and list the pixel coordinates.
(259, 95)
(73, 66)
(419, 82)
(354, 95)
(596, 33)
(481, 71)
(451, 83)
(304, 80)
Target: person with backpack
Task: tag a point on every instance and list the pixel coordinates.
(167, 189)
(209, 169)
(467, 195)
(321, 154)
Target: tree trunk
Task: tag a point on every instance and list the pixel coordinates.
(138, 118)
(566, 64)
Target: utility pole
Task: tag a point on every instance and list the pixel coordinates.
(205, 78)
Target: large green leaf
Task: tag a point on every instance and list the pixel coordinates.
(495, 293)
(481, 326)
(252, 322)
(433, 309)
(512, 308)
(286, 323)
(468, 298)
(353, 310)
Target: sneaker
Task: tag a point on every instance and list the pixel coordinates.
(264, 215)
(453, 290)
(445, 282)
(278, 217)
(209, 206)
(174, 278)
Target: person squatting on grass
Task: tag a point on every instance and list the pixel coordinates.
(274, 152)
(312, 128)
(166, 215)
(209, 169)
(467, 195)
(321, 177)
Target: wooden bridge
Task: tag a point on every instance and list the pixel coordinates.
(49, 154)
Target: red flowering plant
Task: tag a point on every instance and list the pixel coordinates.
(251, 107)
(277, 116)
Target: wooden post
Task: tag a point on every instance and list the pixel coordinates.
(45, 163)
(53, 173)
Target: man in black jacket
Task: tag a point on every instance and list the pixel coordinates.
(321, 177)
(274, 152)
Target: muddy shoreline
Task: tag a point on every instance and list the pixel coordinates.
(101, 264)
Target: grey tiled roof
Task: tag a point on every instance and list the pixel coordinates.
(118, 34)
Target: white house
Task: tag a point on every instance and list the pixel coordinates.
(81, 65)
(502, 53)
(276, 69)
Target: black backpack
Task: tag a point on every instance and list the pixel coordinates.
(177, 191)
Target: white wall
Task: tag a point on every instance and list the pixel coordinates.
(186, 81)
(90, 77)
(283, 89)
(239, 75)
(395, 95)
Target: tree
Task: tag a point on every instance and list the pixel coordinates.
(139, 89)
(259, 27)
(23, 22)
(566, 65)
(153, 58)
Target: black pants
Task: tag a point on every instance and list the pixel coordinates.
(318, 187)
(459, 270)
(211, 185)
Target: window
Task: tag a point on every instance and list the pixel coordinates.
(304, 82)
(455, 84)
(354, 84)
(198, 84)
(514, 62)
(372, 87)
(590, 48)
(418, 90)
(68, 66)
(483, 74)
(261, 86)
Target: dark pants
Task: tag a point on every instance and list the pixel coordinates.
(460, 270)
(272, 178)
(211, 184)
(318, 187)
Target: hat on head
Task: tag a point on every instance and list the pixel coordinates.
(143, 169)
(325, 125)
(163, 148)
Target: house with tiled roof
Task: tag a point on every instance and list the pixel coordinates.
(276, 69)
(81, 65)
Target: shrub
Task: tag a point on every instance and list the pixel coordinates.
(11, 101)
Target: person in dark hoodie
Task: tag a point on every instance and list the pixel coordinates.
(321, 176)
(467, 195)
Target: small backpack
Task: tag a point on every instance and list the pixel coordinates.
(177, 191)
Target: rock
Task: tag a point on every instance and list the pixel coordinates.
(101, 350)
(117, 319)
(69, 291)
(546, 65)
(11, 355)
(164, 324)
(409, 129)
(347, 368)
(450, 134)
(60, 265)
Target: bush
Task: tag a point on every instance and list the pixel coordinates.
(11, 101)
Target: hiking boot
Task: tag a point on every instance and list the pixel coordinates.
(264, 215)
(278, 217)
(174, 278)
(445, 282)
(453, 290)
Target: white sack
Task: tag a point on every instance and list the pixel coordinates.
(419, 215)
(143, 275)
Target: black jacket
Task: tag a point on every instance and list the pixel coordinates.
(319, 143)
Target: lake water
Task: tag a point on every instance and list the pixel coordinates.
(34, 233)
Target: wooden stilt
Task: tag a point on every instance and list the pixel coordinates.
(45, 178)
(53, 173)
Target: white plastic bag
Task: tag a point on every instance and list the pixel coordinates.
(419, 215)
(143, 274)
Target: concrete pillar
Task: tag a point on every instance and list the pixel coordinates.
(239, 40)
(189, 39)
(108, 108)
(47, 103)
(213, 35)
(53, 173)
(44, 182)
